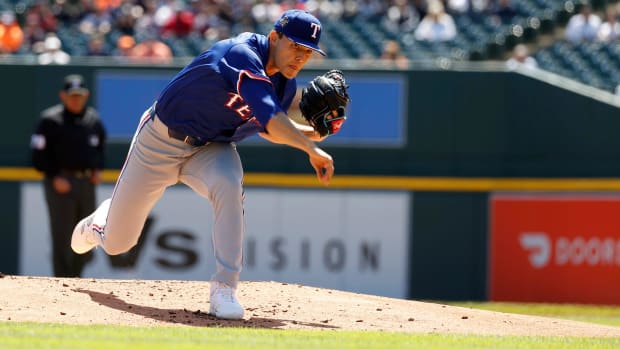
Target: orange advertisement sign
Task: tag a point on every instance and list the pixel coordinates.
(555, 248)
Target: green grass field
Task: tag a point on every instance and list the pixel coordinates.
(603, 315)
(29, 335)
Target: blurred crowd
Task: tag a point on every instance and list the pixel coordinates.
(587, 26)
(139, 28)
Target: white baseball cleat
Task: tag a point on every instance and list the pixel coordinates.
(224, 304)
(86, 234)
(83, 238)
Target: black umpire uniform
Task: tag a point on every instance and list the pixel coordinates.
(68, 147)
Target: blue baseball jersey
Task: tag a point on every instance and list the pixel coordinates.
(224, 94)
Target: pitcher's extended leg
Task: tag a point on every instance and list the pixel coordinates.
(216, 173)
(151, 166)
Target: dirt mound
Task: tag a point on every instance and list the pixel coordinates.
(268, 305)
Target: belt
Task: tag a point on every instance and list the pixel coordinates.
(80, 174)
(193, 141)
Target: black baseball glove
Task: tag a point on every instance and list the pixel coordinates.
(325, 94)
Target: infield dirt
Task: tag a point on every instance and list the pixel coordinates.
(268, 305)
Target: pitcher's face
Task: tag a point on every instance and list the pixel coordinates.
(289, 57)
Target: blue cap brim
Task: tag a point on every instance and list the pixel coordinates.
(306, 44)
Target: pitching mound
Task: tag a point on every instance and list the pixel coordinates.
(268, 305)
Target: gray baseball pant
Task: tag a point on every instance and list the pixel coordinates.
(157, 161)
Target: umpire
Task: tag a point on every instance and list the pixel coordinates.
(68, 147)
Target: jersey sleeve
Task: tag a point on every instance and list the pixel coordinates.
(260, 97)
(241, 58)
(242, 67)
(41, 152)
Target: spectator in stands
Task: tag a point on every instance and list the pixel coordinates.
(107, 5)
(333, 10)
(458, 6)
(70, 11)
(241, 16)
(146, 24)
(211, 15)
(401, 17)
(610, 29)
(124, 44)
(267, 11)
(421, 7)
(96, 46)
(35, 28)
(503, 11)
(41, 12)
(97, 22)
(52, 51)
(165, 11)
(217, 33)
(11, 34)
(151, 51)
(393, 56)
(286, 5)
(225, 11)
(583, 26)
(205, 13)
(370, 9)
(349, 9)
(521, 57)
(125, 16)
(179, 25)
(472, 8)
(437, 25)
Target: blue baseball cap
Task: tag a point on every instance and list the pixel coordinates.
(301, 27)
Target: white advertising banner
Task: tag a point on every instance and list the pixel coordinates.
(350, 240)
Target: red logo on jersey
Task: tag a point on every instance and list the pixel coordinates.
(237, 104)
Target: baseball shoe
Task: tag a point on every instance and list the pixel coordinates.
(224, 304)
(83, 238)
(87, 235)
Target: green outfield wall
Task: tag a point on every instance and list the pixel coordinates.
(479, 123)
